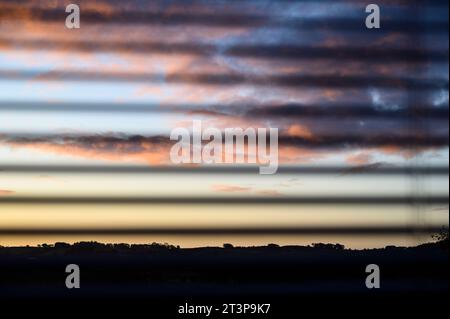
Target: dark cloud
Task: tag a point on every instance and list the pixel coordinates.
(375, 54)
(168, 16)
(343, 112)
(297, 80)
(139, 143)
(363, 89)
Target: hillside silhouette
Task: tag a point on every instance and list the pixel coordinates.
(136, 269)
(160, 277)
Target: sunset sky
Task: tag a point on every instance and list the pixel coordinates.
(110, 93)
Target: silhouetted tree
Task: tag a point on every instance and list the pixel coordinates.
(329, 246)
(89, 246)
(162, 246)
(442, 237)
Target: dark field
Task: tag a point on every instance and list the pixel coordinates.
(162, 277)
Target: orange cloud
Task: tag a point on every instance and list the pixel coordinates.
(296, 155)
(155, 150)
(231, 189)
(301, 131)
(361, 158)
(333, 95)
(240, 189)
(4, 192)
(396, 150)
(144, 152)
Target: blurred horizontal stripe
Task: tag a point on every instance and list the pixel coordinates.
(212, 79)
(230, 20)
(261, 51)
(318, 141)
(321, 112)
(284, 170)
(249, 200)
